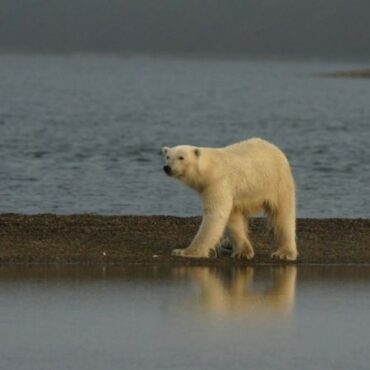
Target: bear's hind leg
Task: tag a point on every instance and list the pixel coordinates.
(284, 229)
(238, 229)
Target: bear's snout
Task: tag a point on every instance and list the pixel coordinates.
(168, 170)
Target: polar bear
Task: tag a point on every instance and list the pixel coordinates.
(234, 183)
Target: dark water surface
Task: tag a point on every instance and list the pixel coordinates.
(184, 318)
(81, 133)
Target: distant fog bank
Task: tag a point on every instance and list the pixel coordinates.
(268, 27)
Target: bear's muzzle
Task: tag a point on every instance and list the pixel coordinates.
(168, 170)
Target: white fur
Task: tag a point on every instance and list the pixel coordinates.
(236, 182)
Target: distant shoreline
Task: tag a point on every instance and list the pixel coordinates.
(356, 73)
(93, 239)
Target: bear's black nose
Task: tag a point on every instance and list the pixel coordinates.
(167, 169)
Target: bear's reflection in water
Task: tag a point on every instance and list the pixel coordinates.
(261, 291)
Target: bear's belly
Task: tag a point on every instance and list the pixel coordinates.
(249, 206)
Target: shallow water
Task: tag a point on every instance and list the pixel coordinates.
(184, 318)
(81, 133)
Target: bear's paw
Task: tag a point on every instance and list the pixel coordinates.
(285, 254)
(190, 252)
(243, 254)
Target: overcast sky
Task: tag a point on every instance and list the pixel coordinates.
(264, 27)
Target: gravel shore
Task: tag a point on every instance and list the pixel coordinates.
(92, 239)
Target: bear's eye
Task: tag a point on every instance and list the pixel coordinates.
(181, 158)
(167, 158)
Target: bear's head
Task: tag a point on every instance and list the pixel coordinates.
(182, 162)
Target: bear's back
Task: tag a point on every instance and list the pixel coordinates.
(256, 161)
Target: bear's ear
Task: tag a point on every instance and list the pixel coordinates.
(164, 150)
(197, 152)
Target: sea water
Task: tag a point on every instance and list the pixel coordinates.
(82, 133)
(184, 318)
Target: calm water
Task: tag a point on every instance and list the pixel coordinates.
(82, 133)
(184, 318)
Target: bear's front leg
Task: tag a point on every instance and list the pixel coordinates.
(211, 229)
(208, 235)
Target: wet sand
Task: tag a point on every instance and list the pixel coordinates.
(92, 239)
